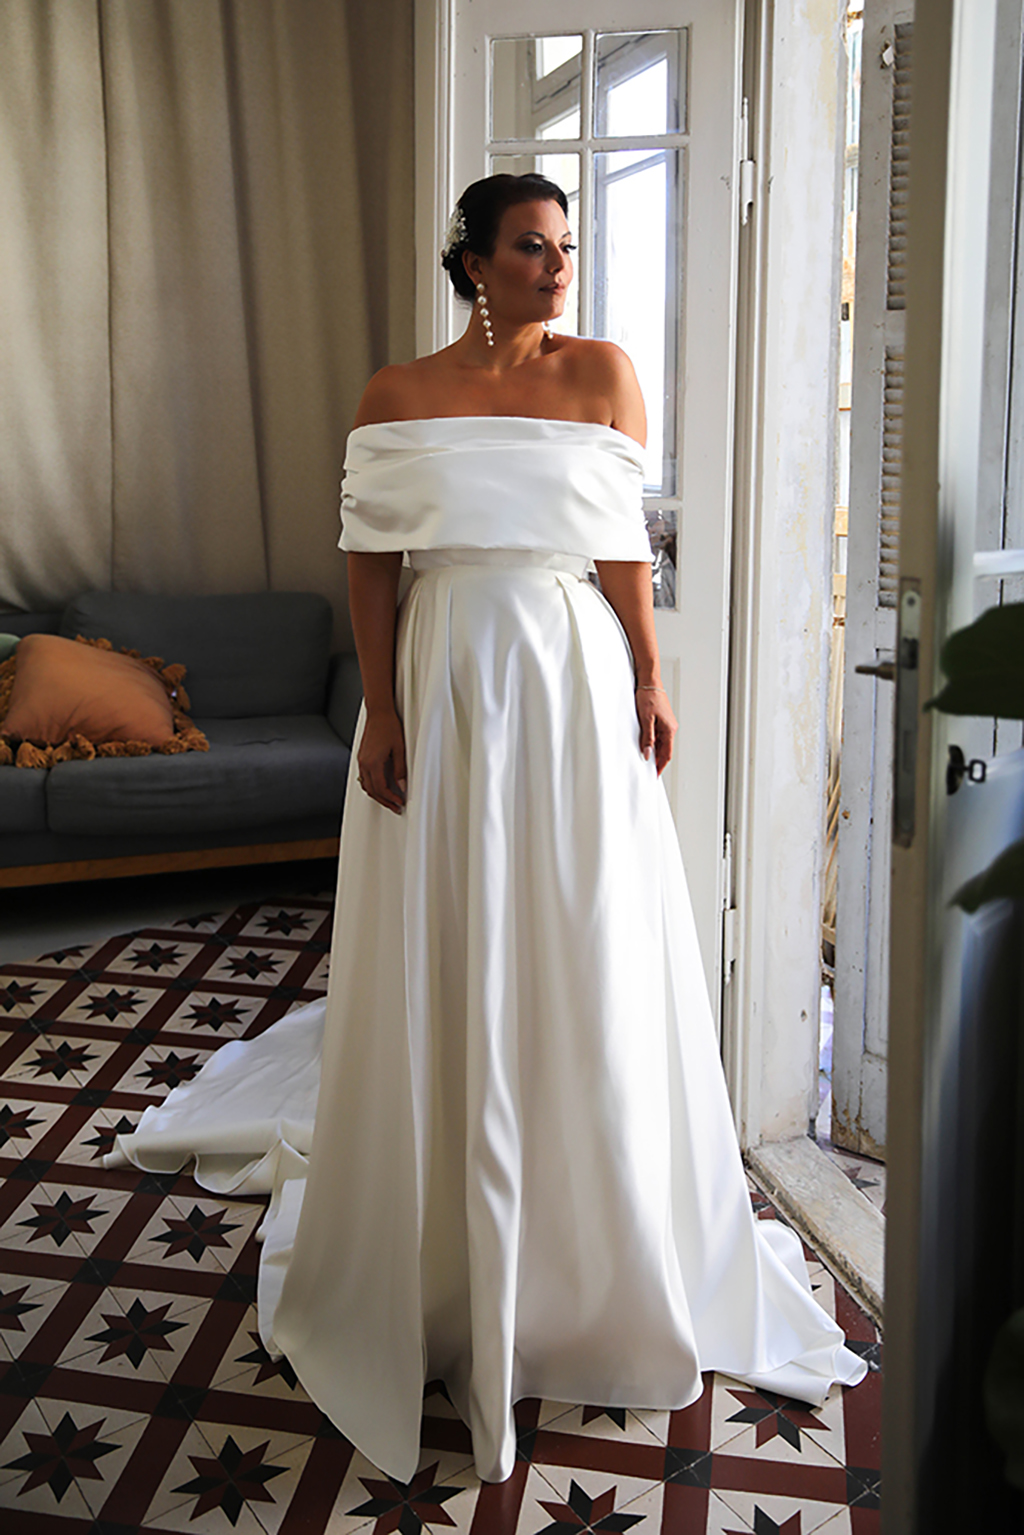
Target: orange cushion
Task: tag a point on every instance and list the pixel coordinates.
(62, 687)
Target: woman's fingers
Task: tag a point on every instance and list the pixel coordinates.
(398, 767)
(657, 726)
(378, 788)
(382, 762)
(377, 780)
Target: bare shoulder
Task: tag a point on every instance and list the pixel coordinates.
(381, 396)
(607, 372)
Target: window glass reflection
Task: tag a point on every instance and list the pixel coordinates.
(535, 87)
(636, 262)
(640, 83)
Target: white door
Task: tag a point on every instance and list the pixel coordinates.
(956, 1097)
(860, 1044)
(633, 109)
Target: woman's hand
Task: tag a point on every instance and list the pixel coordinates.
(381, 759)
(658, 725)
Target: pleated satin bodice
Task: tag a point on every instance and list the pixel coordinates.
(494, 482)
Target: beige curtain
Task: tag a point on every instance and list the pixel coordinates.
(206, 248)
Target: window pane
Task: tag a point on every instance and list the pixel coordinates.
(564, 171)
(637, 252)
(535, 87)
(640, 83)
(661, 526)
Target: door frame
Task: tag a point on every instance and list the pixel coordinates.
(787, 402)
(782, 520)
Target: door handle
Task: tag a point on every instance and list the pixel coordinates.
(905, 720)
(885, 669)
(958, 768)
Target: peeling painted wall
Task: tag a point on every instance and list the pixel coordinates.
(793, 579)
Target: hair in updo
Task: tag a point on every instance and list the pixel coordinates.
(481, 206)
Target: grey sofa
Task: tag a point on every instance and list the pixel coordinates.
(278, 710)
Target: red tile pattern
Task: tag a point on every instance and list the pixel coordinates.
(135, 1394)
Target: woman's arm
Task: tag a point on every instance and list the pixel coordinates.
(627, 586)
(373, 597)
(373, 603)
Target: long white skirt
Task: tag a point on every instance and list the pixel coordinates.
(524, 1176)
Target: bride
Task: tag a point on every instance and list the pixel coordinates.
(523, 1176)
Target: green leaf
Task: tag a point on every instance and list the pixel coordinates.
(1003, 878)
(985, 666)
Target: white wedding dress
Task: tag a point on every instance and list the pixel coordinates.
(523, 1176)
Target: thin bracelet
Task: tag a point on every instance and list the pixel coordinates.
(649, 687)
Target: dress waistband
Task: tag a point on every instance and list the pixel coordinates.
(438, 559)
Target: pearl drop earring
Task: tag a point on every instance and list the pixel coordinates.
(485, 313)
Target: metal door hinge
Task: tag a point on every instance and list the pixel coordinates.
(747, 166)
(728, 913)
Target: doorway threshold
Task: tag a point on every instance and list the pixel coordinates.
(834, 1218)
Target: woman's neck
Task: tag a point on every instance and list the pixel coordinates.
(513, 344)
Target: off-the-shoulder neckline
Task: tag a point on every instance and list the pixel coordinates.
(601, 426)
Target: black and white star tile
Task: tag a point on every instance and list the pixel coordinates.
(135, 1392)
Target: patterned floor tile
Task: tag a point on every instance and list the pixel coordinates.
(111, 999)
(205, 922)
(104, 1438)
(25, 1303)
(210, 1015)
(50, 1461)
(89, 1143)
(773, 1427)
(839, 1524)
(24, 1122)
(161, 1067)
(202, 1233)
(13, 1444)
(132, 1377)
(770, 1514)
(23, 995)
(37, 1059)
(141, 1334)
(621, 1424)
(246, 1366)
(246, 1475)
(589, 1499)
(54, 1216)
(288, 921)
(150, 954)
(823, 1286)
(443, 1492)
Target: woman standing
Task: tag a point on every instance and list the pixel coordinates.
(524, 1176)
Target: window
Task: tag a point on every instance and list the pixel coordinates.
(604, 114)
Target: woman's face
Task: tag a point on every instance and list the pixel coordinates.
(531, 268)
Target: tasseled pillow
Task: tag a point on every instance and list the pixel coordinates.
(64, 700)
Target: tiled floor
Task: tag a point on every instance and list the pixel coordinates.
(134, 1392)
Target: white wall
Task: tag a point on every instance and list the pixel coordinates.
(783, 595)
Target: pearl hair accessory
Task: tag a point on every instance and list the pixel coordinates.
(485, 313)
(455, 234)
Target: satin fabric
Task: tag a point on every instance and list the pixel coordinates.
(523, 1175)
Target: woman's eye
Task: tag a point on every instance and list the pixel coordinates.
(568, 248)
(532, 248)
